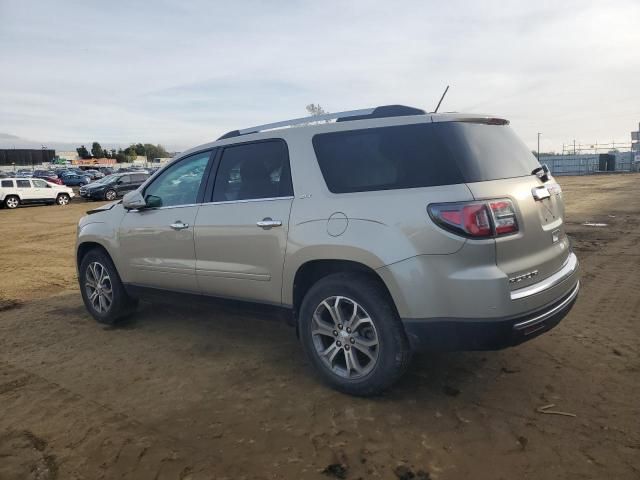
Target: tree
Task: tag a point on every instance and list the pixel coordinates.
(83, 152)
(96, 150)
(139, 148)
(155, 151)
(315, 110)
(119, 156)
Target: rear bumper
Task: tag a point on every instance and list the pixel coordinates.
(449, 334)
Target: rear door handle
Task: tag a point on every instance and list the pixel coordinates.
(268, 223)
(178, 225)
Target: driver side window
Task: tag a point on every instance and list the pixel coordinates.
(179, 184)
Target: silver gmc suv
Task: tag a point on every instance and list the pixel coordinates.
(380, 231)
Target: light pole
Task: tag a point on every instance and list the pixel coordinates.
(538, 146)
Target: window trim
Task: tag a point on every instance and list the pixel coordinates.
(201, 190)
(208, 196)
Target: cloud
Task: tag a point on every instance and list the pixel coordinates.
(183, 73)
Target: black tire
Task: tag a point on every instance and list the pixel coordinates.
(63, 199)
(110, 195)
(121, 305)
(393, 350)
(12, 201)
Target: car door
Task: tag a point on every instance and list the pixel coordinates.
(241, 235)
(26, 191)
(42, 190)
(156, 243)
(123, 185)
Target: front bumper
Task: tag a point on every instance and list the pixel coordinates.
(451, 334)
(93, 195)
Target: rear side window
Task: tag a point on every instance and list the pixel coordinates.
(138, 177)
(23, 183)
(421, 155)
(7, 183)
(253, 171)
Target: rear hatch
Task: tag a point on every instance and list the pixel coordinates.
(496, 165)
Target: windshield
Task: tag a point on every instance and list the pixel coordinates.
(104, 180)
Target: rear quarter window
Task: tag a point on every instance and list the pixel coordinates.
(7, 183)
(420, 155)
(386, 158)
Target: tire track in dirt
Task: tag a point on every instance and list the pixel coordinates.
(98, 443)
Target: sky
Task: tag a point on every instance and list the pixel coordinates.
(181, 73)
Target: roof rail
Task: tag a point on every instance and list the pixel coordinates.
(363, 114)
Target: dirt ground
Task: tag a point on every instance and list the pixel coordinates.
(186, 392)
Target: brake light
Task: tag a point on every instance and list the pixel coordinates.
(486, 219)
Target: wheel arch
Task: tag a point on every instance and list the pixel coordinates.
(87, 246)
(312, 271)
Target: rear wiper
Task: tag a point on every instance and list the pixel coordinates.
(542, 172)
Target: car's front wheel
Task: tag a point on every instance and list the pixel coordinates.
(110, 195)
(11, 201)
(352, 335)
(102, 291)
(63, 199)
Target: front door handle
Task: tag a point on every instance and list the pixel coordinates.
(178, 225)
(268, 223)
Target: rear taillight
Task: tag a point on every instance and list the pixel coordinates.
(485, 219)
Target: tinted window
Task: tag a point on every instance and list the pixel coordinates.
(7, 183)
(179, 184)
(124, 179)
(23, 183)
(139, 177)
(487, 152)
(253, 170)
(421, 155)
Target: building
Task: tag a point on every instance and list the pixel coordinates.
(72, 156)
(24, 157)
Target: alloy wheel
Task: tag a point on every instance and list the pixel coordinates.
(63, 200)
(345, 337)
(98, 287)
(12, 202)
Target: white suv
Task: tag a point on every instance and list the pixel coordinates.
(16, 191)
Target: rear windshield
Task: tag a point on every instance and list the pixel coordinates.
(421, 155)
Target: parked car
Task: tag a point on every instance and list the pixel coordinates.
(73, 179)
(112, 186)
(22, 191)
(407, 231)
(54, 179)
(24, 173)
(93, 174)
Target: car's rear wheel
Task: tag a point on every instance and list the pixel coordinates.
(11, 201)
(352, 335)
(63, 199)
(110, 195)
(102, 291)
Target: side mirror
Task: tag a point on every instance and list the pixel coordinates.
(133, 201)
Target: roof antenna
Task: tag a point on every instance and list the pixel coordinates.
(441, 98)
